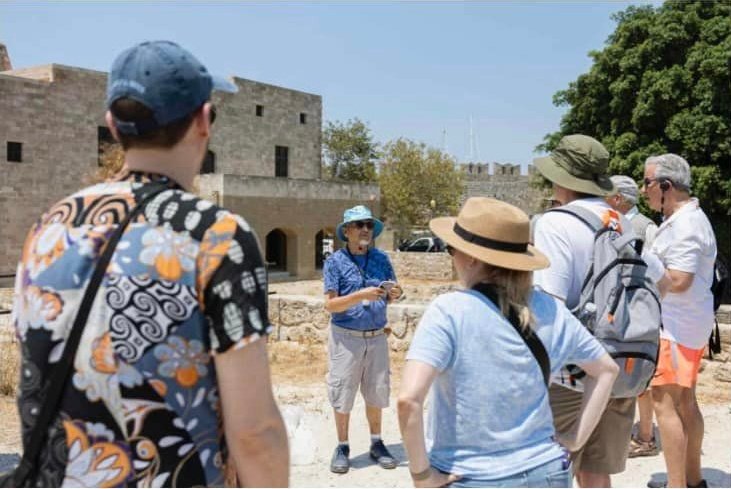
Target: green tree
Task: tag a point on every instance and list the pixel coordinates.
(661, 84)
(417, 183)
(349, 152)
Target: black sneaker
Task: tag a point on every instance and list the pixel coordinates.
(381, 455)
(702, 483)
(340, 463)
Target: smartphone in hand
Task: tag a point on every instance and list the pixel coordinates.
(387, 285)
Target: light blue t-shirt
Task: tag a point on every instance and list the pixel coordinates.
(345, 273)
(488, 414)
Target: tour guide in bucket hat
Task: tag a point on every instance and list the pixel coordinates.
(358, 213)
(579, 163)
(492, 231)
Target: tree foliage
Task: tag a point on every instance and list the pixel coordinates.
(661, 84)
(349, 152)
(417, 183)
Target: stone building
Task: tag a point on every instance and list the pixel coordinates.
(505, 182)
(264, 160)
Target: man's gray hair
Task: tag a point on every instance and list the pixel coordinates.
(671, 167)
(626, 187)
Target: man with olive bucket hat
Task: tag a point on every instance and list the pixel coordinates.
(358, 283)
(577, 168)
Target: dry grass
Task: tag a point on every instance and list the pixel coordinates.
(301, 364)
(9, 367)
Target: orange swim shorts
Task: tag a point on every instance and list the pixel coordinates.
(677, 364)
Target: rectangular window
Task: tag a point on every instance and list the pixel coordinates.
(281, 161)
(15, 152)
(259, 110)
(303, 118)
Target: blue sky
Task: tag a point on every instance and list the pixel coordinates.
(410, 70)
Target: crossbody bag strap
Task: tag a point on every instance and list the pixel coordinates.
(529, 336)
(57, 382)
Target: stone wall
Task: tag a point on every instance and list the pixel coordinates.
(422, 266)
(303, 318)
(296, 207)
(56, 111)
(502, 182)
(244, 142)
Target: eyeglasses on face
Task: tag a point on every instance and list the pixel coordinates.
(363, 224)
(648, 181)
(212, 114)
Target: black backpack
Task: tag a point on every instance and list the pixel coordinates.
(720, 291)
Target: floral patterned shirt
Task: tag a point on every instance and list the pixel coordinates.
(186, 282)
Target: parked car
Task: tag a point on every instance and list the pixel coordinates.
(427, 244)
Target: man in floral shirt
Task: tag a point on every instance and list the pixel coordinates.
(175, 341)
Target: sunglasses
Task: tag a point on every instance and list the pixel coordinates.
(212, 114)
(450, 250)
(363, 224)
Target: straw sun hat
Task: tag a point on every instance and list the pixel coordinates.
(493, 232)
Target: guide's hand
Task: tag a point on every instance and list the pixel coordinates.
(371, 293)
(395, 292)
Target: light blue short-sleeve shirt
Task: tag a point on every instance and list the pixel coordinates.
(488, 413)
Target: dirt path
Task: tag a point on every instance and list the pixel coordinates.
(298, 374)
(312, 439)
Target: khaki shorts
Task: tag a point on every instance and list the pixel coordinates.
(357, 362)
(606, 450)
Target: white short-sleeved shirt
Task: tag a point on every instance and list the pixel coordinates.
(569, 244)
(489, 415)
(685, 242)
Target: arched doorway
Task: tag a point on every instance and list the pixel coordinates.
(276, 251)
(324, 246)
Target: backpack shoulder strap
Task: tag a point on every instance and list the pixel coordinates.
(586, 216)
(529, 336)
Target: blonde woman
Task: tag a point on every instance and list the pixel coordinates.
(489, 421)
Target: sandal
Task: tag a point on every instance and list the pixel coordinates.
(640, 448)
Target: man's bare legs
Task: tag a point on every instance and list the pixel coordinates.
(693, 423)
(644, 405)
(342, 423)
(592, 479)
(667, 400)
(374, 419)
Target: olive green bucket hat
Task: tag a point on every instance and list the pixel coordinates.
(579, 163)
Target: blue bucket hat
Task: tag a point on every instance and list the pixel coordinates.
(163, 77)
(358, 213)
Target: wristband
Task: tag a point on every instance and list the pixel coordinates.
(423, 475)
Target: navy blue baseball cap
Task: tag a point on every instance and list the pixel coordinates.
(163, 77)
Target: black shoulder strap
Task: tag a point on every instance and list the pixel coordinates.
(57, 382)
(529, 336)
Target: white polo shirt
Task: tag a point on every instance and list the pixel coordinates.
(685, 242)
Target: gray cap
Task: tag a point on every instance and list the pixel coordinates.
(626, 187)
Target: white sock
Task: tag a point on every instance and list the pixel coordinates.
(375, 438)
